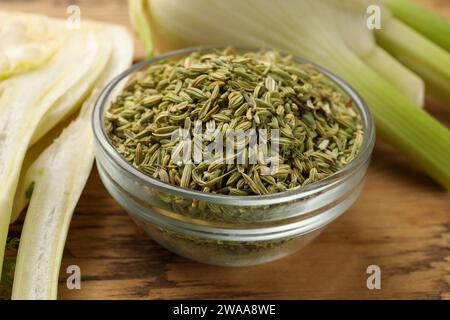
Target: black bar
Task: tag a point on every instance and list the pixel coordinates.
(228, 309)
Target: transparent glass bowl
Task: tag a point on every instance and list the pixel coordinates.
(222, 229)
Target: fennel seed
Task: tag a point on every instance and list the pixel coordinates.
(320, 130)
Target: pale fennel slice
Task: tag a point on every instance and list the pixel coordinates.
(25, 99)
(66, 105)
(59, 176)
(27, 42)
(74, 97)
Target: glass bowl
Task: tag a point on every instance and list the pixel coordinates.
(222, 229)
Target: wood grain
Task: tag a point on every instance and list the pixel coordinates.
(401, 223)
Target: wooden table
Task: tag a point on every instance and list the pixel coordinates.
(401, 223)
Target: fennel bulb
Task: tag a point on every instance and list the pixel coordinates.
(59, 175)
(330, 33)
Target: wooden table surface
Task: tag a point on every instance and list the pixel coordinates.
(401, 223)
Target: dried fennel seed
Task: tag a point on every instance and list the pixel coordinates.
(320, 131)
(224, 251)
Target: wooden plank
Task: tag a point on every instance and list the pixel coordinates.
(401, 223)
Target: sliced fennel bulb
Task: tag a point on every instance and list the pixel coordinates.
(327, 32)
(23, 103)
(64, 107)
(24, 187)
(28, 41)
(73, 98)
(45, 220)
(59, 176)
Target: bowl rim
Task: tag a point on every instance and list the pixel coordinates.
(250, 200)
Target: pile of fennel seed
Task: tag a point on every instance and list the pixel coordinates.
(320, 130)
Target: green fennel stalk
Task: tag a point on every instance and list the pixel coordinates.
(427, 59)
(433, 27)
